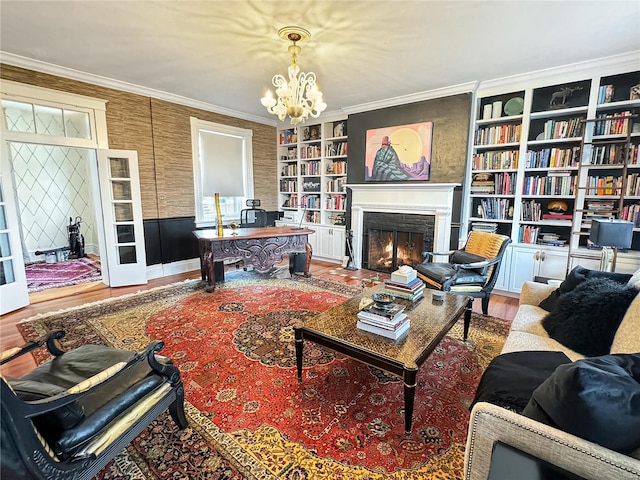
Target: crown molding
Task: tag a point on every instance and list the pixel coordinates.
(469, 87)
(623, 62)
(57, 70)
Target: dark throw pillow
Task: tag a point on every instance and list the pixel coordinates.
(576, 276)
(597, 399)
(511, 378)
(586, 318)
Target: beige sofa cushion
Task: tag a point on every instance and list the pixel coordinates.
(525, 341)
(528, 319)
(627, 338)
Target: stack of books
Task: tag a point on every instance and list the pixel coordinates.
(390, 321)
(411, 291)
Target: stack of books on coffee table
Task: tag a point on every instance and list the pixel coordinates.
(387, 320)
(404, 284)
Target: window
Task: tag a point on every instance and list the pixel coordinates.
(222, 163)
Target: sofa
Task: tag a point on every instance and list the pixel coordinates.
(490, 423)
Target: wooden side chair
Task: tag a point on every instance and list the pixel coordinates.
(71, 415)
(471, 271)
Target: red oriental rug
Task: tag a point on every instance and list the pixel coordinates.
(235, 349)
(42, 275)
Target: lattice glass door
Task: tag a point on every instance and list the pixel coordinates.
(13, 280)
(122, 215)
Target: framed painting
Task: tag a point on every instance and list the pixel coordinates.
(401, 153)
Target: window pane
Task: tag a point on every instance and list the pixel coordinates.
(19, 116)
(121, 190)
(5, 248)
(127, 254)
(125, 233)
(123, 212)
(77, 124)
(6, 272)
(3, 220)
(119, 167)
(49, 120)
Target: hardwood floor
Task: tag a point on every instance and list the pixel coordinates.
(61, 298)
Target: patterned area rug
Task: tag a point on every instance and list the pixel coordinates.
(42, 275)
(249, 417)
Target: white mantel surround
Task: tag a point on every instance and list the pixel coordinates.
(421, 199)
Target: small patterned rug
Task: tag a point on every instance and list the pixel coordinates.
(42, 276)
(249, 418)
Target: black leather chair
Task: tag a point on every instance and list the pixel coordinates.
(471, 271)
(71, 415)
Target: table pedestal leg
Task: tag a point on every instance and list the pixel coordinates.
(208, 269)
(299, 345)
(409, 395)
(467, 319)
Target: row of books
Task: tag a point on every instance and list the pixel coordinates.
(498, 134)
(528, 234)
(390, 322)
(553, 157)
(287, 136)
(495, 209)
(604, 185)
(612, 124)
(607, 154)
(631, 213)
(553, 184)
(531, 211)
(498, 160)
(289, 185)
(335, 202)
(310, 151)
(336, 184)
(310, 168)
(605, 93)
(337, 148)
(289, 170)
(337, 167)
(556, 129)
(502, 183)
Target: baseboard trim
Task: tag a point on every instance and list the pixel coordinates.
(167, 269)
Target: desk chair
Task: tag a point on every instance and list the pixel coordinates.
(471, 271)
(253, 217)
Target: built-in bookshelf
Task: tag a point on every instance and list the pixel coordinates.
(313, 172)
(545, 158)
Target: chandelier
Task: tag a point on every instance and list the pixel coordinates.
(298, 97)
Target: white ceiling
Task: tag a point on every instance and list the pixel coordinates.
(225, 52)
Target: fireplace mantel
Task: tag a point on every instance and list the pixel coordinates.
(424, 199)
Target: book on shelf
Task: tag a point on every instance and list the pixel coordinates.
(557, 216)
(391, 334)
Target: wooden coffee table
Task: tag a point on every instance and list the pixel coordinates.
(430, 322)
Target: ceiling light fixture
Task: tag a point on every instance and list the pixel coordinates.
(298, 97)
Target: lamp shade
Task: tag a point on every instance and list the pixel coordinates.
(611, 233)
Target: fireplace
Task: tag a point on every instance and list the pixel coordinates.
(391, 240)
(433, 200)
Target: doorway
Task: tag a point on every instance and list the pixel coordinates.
(52, 186)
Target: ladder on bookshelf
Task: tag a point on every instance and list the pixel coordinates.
(605, 150)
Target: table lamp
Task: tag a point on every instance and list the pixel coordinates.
(611, 235)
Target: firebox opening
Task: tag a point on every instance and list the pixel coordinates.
(392, 240)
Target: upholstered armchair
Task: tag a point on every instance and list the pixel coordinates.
(471, 271)
(70, 416)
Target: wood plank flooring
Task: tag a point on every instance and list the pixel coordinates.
(61, 298)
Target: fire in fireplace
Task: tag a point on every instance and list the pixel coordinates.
(394, 239)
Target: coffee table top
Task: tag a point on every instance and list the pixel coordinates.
(430, 322)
